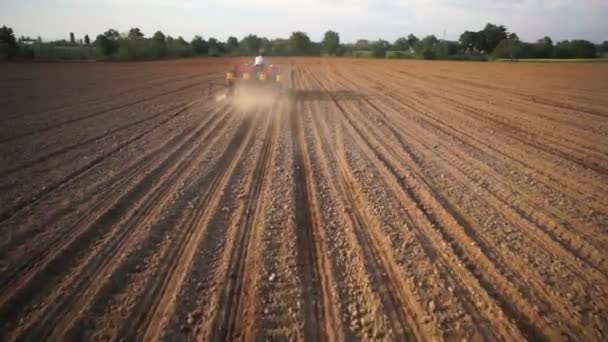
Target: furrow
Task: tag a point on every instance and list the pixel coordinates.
(116, 215)
(56, 322)
(318, 308)
(232, 321)
(149, 312)
(72, 176)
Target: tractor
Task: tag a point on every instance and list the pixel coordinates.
(246, 79)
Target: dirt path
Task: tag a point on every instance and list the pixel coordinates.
(381, 200)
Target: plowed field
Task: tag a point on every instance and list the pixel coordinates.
(381, 200)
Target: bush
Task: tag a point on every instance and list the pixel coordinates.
(8, 43)
(199, 46)
(468, 57)
(399, 55)
(107, 47)
(133, 49)
(515, 49)
(575, 49)
(429, 54)
(362, 54)
(47, 51)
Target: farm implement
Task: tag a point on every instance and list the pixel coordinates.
(249, 79)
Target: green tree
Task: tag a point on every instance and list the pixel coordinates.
(250, 44)
(473, 41)
(412, 40)
(266, 45)
(112, 34)
(72, 38)
(8, 43)
(106, 46)
(427, 47)
(135, 34)
(159, 44)
(513, 36)
(362, 44)
(379, 48)
(604, 46)
(508, 48)
(181, 41)
(280, 47)
(300, 43)
(331, 42)
(232, 44)
(216, 48)
(107, 43)
(159, 36)
(87, 40)
(493, 35)
(575, 49)
(178, 47)
(467, 40)
(199, 45)
(544, 48)
(401, 44)
(445, 48)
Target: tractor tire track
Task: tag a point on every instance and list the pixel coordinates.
(231, 322)
(33, 198)
(102, 219)
(91, 279)
(318, 315)
(161, 292)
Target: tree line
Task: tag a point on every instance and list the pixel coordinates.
(493, 41)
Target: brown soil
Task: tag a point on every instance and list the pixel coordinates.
(379, 200)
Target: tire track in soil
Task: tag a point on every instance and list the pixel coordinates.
(111, 211)
(72, 176)
(150, 311)
(548, 179)
(391, 291)
(318, 308)
(467, 110)
(463, 255)
(429, 238)
(101, 112)
(549, 225)
(521, 211)
(441, 266)
(370, 225)
(66, 149)
(504, 303)
(507, 207)
(116, 183)
(104, 99)
(150, 83)
(483, 165)
(118, 299)
(392, 294)
(355, 302)
(552, 299)
(65, 310)
(231, 321)
(119, 185)
(551, 235)
(193, 312)
(388, 194)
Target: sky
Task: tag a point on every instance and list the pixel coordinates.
(352, 19)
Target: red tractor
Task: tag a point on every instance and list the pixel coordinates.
(246, 78)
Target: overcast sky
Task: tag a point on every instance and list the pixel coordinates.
(353, 19)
